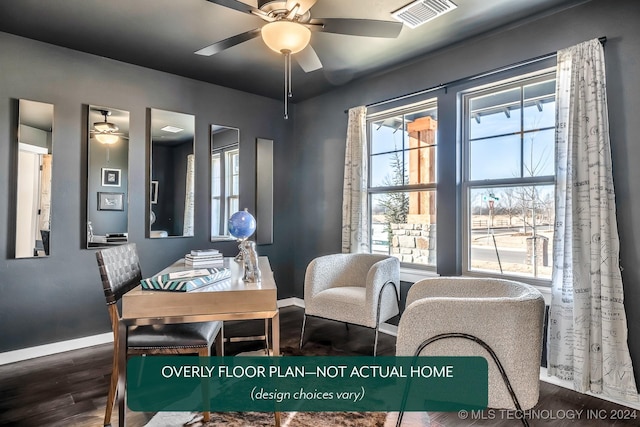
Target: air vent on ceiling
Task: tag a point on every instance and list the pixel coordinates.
(421, 11)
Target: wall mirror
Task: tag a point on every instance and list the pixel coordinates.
(264, 191)
(225, 179)
(33, 195)
(172, 174)
(108, 176)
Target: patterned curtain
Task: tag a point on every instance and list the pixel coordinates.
(189, 199)
(587, 321)
(355, 218)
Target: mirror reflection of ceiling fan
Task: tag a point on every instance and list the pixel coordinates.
(106, 132)
(287, 30)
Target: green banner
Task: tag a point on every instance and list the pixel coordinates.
(264, 384)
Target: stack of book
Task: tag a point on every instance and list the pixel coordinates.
(184, 281)
(116, 237)
(203, 258)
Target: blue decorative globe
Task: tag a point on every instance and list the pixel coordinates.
(242, 225)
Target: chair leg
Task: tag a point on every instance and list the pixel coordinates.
(375, 342)
(205, 352)
(266, 336)
(111, 397)
(393, 285)
(304, 322)
(219, 343)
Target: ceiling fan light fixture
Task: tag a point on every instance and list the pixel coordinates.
(107, 138)
(105, 126)
(282, 36)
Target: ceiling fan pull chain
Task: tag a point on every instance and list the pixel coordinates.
(286, 89)
(289, 73)
(287, 81)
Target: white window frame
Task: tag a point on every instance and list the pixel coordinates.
(412, 270)
(468, 185)
(224, 196)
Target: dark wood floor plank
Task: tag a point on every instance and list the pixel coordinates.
(70, 389)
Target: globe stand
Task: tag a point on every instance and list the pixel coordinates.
(241, 226)
(240, 257)
(249, 258)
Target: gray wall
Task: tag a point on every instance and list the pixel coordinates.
(320, 128)
(60, 297)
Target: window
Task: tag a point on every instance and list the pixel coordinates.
(402, 183)
(509, 175)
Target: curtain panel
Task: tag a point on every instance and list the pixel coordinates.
(587, 322)
(355, 216)
(189, 200)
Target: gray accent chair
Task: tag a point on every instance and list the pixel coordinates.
(500, 320)
(361, 289)
(120, 272)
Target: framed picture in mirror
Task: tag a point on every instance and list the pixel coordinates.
(111, 177)
(154, 192)
(110, 201)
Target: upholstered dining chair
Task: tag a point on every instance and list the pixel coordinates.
(500, 320)
(120, 272)
(361, 289)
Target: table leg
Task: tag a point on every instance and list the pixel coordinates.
(275, 343)
(275, 334)
(122, 373)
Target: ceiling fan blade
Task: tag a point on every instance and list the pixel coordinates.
(308, 59)
(242, 7)
(227, 43)
(305, 5)
(357, 27)
(234, 4)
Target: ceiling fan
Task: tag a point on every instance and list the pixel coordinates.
(106, 132)
(287, 30)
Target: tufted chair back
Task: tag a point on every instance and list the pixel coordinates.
(119, 270)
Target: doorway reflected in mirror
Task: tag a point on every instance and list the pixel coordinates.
(33, 180)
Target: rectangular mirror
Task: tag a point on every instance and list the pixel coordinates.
(225, 179)
(108, 177)
(172, 174)
(33, 195)
(264, 191)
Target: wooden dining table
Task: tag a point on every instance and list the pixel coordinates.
(229, 299)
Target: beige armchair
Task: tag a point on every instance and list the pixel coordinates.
(361, 289)
(500, 320)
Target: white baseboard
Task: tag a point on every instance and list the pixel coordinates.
(76, 344)
(54, 348)
(544, 376)
(293, 301)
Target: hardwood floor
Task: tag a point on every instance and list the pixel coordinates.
(70, 389)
